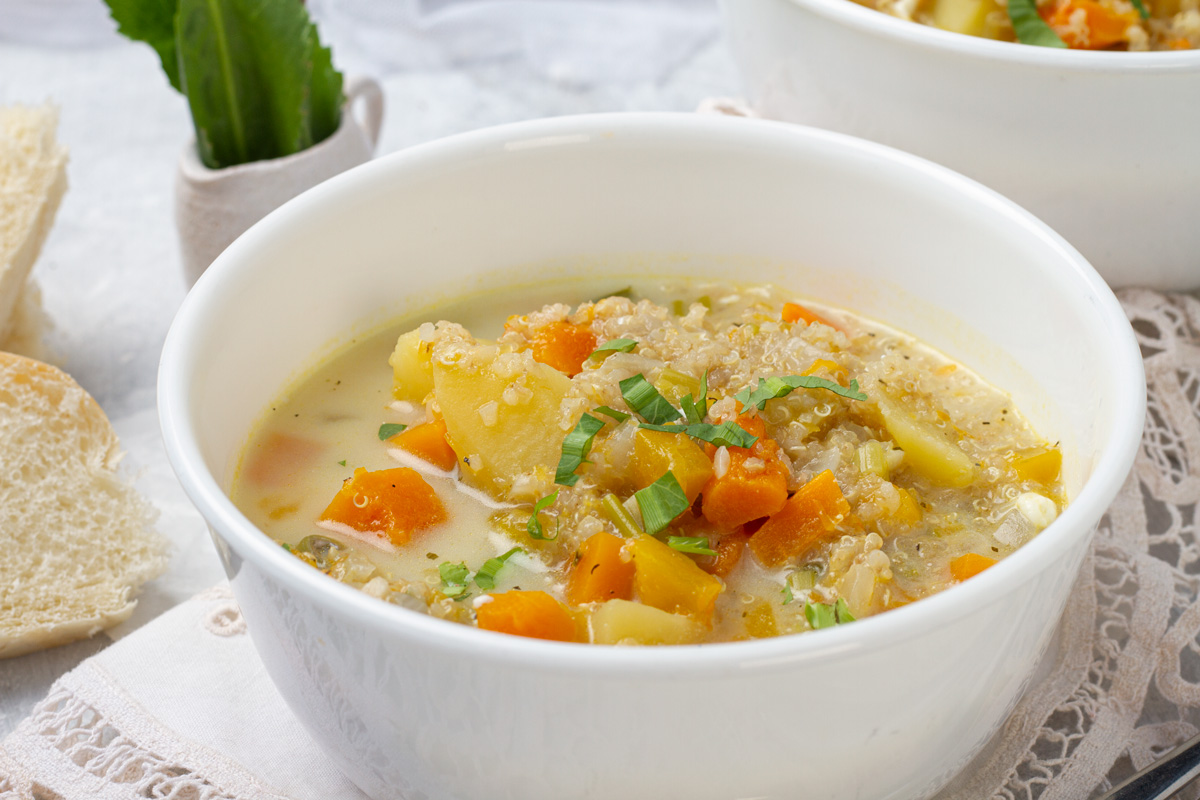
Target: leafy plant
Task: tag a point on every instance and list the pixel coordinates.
(254, 73)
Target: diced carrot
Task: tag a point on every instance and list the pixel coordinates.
(279, 457)
(524, 613)
(428, 441)
(563, 346)
(837, 370)
(749, 489)
(794, 312)
(969, 565)
(729, 553)
(810, 515)
(600, 574)
(1102, 27)
(1182, 43)
(395, 503)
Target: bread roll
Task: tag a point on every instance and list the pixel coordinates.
(77, 541)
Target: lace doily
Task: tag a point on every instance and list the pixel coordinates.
(1120, 688)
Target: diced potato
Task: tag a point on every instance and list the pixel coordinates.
(627, 622)
(669, 580)
(502, 422)
(655, 452)
(926, 449)
(412, 372)
(972, 17)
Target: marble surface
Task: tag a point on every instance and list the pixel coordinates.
(110, 271)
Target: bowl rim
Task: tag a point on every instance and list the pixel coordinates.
(782, 652)
(915, 34)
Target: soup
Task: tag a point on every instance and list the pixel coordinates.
(664, 465)
(1076, 24)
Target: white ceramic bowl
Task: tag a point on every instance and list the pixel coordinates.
(1103, 146)
(413, 707)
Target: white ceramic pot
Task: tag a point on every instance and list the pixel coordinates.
(889, 707)
(1103, 146)
(215, 206)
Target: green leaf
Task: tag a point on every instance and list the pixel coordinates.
(787, 593)
(619, 416)
(643, 398)
(778, 386)
(534, 526)
(691, 544)
(1029, 26)
(727, 434)
(152, 22)
(257, 80)
(1141, 9)
(389, 429)
(695, 412)
(614, 346)
(486, 577)
(825, 615)
(454, 579)
(661, 502)
(575, 448)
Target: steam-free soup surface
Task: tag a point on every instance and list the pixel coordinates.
(665, 465)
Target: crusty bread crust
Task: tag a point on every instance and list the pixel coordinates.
(78, 541)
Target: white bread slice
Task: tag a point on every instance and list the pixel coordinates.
(28, 324)
(77, 541)
(33, 179)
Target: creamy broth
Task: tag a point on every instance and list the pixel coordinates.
(904, 524)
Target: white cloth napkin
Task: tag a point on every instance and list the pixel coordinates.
(182, 708)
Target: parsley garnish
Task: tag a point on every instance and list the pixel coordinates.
(824, 615)
(455, 578)
(614, 346)
(389, 429)
(342, 462)
(486, 577)
(691, 544)
(575, 448)
(661, 502)
(777, 386)
(787, 593)
(1029, 26)
(534, 526)
(643, 398)
(727, 434)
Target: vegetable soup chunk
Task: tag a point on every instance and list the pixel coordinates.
(673, 464)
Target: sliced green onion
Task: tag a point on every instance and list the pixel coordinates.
(1029, 26)
(787, 593)
(643, 398)
(824, 615)
(454, 579)
(615, 511)
(803, 579)
(534, 526)
(691, 544)
(614, 346)
(575, 448)
(661, 502)
(389, 429)
(778, 386)
(486, 577)
(872, 459)
(727, 434)
(619, 416)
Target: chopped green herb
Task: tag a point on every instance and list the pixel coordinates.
(534, 526)
(691, 544)
(695, 412)
(777, 386)
(787, 593)
(615, 510)
(342, 462)
(1029, 26)
(575, 448)
(727, 434)
(643, 398)
(825, 615)
(619, 416)
(486, 577)
(1141, 9)
(287, 547)
(454, 579)
(389, 429)
(661, 502)
(614, 346)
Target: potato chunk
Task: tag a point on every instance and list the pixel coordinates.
(627, 622)
(412, 373)
(501, 411)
